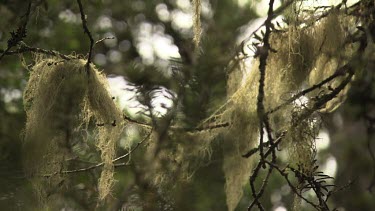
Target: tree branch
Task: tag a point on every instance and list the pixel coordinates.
(103, 39)
(20, 34)
(327, 97)
(255, 172)
(340, 72)
(276, 142)
(25, 48)
(102, 163)
(87, 31)
(294, 189)
(186, 129)
(263, 52)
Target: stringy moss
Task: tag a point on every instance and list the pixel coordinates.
(304, 56)
(333, 55)
(240, 137)
(197, 23)
(300, 141)
(325, 67)
(177, 161)
(49, 99)
(59, 98)
(104, 110)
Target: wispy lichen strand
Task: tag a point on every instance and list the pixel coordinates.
(197, 25)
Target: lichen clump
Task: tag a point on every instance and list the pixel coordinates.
(176, 159)
(60, 98)
(303, 56)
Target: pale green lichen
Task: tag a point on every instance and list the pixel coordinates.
(197, 26)
(303, 56)
(59, 98)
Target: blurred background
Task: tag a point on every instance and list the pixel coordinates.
(149, 40)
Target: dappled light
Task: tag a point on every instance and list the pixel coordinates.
(187, 105)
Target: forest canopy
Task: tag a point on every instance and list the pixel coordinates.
(187, 105)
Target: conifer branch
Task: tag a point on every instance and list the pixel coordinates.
(290, 184)
(20, 34)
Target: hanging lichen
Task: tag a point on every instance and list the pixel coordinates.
(301, 55)
(59, 98)
(177, 158)
(333, 54)
(50, 98)
(301, 141)
(103, 109)
(197, 26)
(241, 136)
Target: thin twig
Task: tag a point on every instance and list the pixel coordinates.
(252, 186)
(327, 97)
(294, 189)
(264, 184)
(25, 48)
(20, 34)
(203, 128)
(134, 148)
(276, 13)
(87, 31)
(255, 172)
(127, 118)
(186, 129)
(254, 150)
(340, 72)
(262, 188)
(330, 193)
(103, 39)
(263, 52)
(102, 163)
